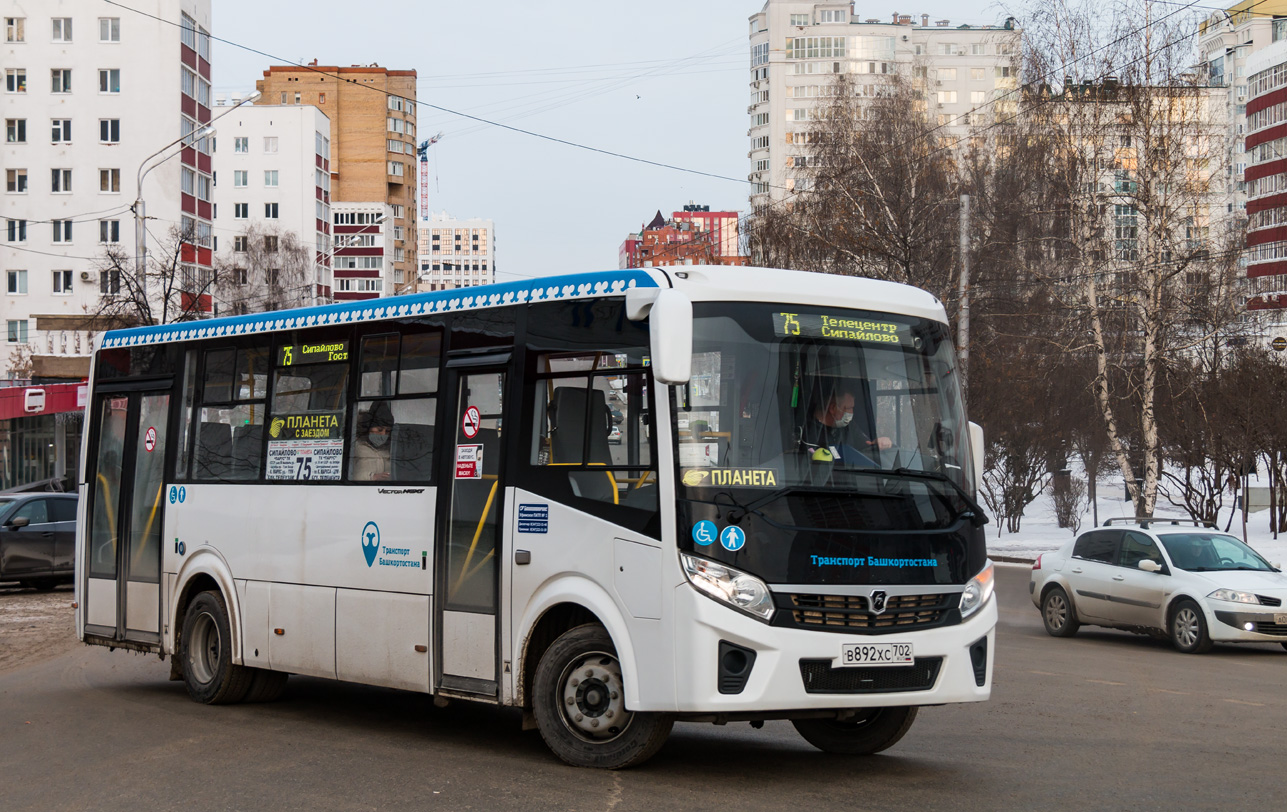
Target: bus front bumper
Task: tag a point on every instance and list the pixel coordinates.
(793, 669)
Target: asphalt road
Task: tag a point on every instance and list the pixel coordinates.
(1103, 721)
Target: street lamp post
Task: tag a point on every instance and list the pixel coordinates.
(140, 207)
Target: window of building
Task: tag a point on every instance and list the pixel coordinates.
(62, 230)
(188, 83)
(203, 188)
(240, 178)
(799, 19)
(270, 144)
(16, 230)
(62, 29)
(109, 29)
(270, 211)
(17, 331)
(17, 283)
(321, 98)
(187, 31)
(60, 80)
(831, 16)
(977, 74)
(109, 130)
(240, 211)
(15, 130)
(15, 29)
(239, 245)
(62, 282)
(109, 282)
(60, 181)
(946, 74)
(395, 168)
(109, 231)
(109, 80)
(240, 144)
(270, 178)
(1004, 72)
(978, 48)
(978, 96)
(15, 181)
(15, 80)
(109, 180)
(947, 97)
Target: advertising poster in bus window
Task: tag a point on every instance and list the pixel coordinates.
(306, 446)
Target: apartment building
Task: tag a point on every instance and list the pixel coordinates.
(366, 236)
(92, 97)
(694, 236)
(456, 253)
(799, 48)
(1266, 187)
(272, 207)
(373, 146)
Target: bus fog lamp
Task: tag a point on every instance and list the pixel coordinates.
(977, 592)
(730, 586)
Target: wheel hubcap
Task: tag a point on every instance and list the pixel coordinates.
(592, 698)
(203, 648)
(1186, 627)
(1056, 612)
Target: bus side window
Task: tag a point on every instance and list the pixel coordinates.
(306, 425)
(392, 436)
(229, 422)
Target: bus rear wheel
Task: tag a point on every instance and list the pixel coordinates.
(206, 654)
(580, 705)
(869, 732)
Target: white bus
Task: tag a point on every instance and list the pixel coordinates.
(615, 500)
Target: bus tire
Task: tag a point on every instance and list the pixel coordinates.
(870, 732)
(579, 704)
(206, 653)
(266, 685)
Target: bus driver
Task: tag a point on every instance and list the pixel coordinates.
(831, 427)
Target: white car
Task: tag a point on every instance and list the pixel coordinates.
(1193, 584)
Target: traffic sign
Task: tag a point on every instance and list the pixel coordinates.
(469, 423)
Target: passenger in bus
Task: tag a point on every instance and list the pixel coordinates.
(831, 429)
(371, 451)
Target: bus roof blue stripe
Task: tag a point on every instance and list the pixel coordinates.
(549, 288)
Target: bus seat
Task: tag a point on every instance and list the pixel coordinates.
(411, 451)
(568, 410)
(247, 452)
(213, 457)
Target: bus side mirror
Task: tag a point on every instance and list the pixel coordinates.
(670, 330)
(977, 454)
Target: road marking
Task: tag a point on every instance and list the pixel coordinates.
(1105, 682)
(1046, 673)
(1165, 691)
(1241, 702)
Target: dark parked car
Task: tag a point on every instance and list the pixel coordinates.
(37, 538)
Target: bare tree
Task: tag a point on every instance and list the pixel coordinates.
(171, 287)
(268, 269)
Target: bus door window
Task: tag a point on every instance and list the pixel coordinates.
(148, 489)
(188, 403)
(476, 493)
(104, 522)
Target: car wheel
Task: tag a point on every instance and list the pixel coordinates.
(579, 703)
(205, 653)
(870, 732)
(1058, 614)
(1189, 628)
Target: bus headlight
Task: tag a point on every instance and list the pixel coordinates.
(977, 592)
(727, 585)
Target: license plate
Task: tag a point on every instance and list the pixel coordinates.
(1280, 618)
(873, 654)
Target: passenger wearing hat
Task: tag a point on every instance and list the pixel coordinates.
(371, 451)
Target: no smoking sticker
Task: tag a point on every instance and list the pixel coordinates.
(469, 423)
(149, 439)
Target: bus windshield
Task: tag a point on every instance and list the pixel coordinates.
(789, 397)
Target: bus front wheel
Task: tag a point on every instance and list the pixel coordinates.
(869, 732)
(580, 708)
(206, 653)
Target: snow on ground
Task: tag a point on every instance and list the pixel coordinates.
(1039, 532)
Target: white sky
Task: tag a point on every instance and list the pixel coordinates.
(665, 80)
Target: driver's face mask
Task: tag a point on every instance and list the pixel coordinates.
(845, 419)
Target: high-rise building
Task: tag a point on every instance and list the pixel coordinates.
(364, 237)
(798, 49)
(1266, 186)
(91, 94)
(373, 148)
(1226, 42)
(456, 253)
(273, 209)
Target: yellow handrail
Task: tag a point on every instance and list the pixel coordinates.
(482, 521)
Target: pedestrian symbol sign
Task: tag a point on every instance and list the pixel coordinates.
(469, 423)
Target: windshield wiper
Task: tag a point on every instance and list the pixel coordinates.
(975, 514)
(755, 504)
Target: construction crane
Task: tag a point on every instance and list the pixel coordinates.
(423, 152)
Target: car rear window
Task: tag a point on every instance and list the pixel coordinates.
(1098, 545)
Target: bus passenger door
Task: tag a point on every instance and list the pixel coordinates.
(469, 531)
(123, 571)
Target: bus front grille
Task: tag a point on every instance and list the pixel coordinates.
(821, 678)
(851, 613)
